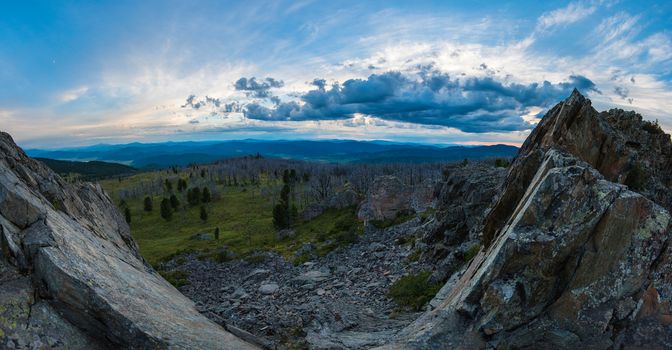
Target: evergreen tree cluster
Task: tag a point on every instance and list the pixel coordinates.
(181, 185)
(195, 196)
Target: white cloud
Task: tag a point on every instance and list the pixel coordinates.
(572, 13)
(74, 94)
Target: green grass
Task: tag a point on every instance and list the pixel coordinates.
(177, 278)
(413, 291)
(415, 255)
(243, 216)
(471, 252)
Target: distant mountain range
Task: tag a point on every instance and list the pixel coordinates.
(158, 155)
(91, 170)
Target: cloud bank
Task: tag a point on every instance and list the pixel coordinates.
(427, 97)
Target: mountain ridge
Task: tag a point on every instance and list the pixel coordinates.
(337, 151)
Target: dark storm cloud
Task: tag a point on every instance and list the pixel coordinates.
(473, 104)
(320, 83)
(257, 88)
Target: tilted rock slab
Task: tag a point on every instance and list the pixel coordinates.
(71, 276)
(574, 259)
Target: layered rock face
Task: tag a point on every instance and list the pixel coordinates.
(572, 257)
(462, 200)
(71, 276)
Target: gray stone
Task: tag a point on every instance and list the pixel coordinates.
(201, 237)
(285, 234)
(269, 288)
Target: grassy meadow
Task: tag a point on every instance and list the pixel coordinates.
(242, 214)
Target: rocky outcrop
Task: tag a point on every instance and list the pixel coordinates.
(341, 199)
(573, 257)
(618, 144)
(389, 196)
(71, 276)
(461, 202)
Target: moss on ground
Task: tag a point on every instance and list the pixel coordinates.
(401, 217)
(177, 278)
(413, 292)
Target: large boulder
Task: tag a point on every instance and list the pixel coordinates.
(71, 276)
(339, 200)
(389, 196)
(573, 257)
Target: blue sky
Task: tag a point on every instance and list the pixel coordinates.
(86, 72)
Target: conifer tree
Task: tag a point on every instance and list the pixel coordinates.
(166, 210)
(174, 202)
(206, 195)
(148, 204)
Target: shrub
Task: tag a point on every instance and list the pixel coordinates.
(177, 278)
(127, 215)
(415, 255)
(344, 224)
(413, 291)
(256, 259)
(204, 214)
(471, 252)
(410, 239)
(502, 163)
(346, 237)
(222, 255)
(652, 127)
(636, 178)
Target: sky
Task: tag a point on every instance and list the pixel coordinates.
(75, 73)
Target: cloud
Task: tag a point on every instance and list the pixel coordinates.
(74, 94)
(429, 97)
(572, 13)
(258, 89)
